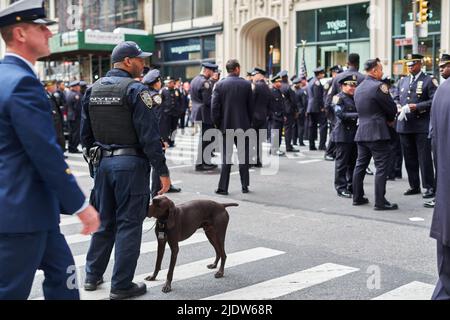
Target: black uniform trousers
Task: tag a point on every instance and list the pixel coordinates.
(74, 135)
(313, 121)
(323, 123)
(259, 125)
(25, 253)
(172, 125)
(396, 162)
(381, 153)
(276, 128)
(289, 131)
(417, 152)
(346, 154)
(301, 132)
(442, 290)
(227, 154)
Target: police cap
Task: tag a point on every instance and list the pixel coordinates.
(283, 73)
(259, 70)
(319, 70)
(31, 11)
(74, 84)
(83, 83)
(297, 80)
(445, 59)
(209, 65)
(276, 78)
(337, 68)
(351, 79)
(413, 58)
(128, 49)
(152, 77)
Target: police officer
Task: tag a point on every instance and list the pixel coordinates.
(170, 115)
(118, 117)
(183, 105)
(301, 99)
(376, 112)
(440, 228)
(291, 111)
(58, 120)
(316, 110)
(277, 115)
(414, 99)
(231, 108)
(201, 92)
(261, 104)
(74, 115)
(330, 153)
(344, 136)
(153, 81)
(36, 184)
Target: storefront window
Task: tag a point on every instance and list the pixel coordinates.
(332, 23)
(183, 49)
(358, 15)
(209, 47)
(306, 26)
(182, 10)
(402, 12)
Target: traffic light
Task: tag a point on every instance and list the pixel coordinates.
(424, 11)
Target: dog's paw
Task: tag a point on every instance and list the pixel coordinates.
(150, 278)
(167, 288)
(219, 275)
(212, 266)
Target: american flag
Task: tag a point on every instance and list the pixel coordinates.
(303, 72)
(270, 66)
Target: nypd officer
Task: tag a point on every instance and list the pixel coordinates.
(376, 112)
(277, 115)
(74, 115)
(171, 101)
(201, 93)
(440, 228)
(36, 184)
(118, 117)
(291, 111)
(414, 98)
(153, 81)
(261, 104)
(301, 99)
(316, 111)
(344, 136)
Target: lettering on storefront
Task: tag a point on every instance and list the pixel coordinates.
(335, 27)
(104, 38)
(185, 49)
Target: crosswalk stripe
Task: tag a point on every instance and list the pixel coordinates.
(309, 161)
(190, 270)
(412, 291)
(146, 247)
(77, 163)
(288, 284)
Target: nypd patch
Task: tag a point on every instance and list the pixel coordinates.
(157, 99)
(326, 86)
(145, 96)
(336, 99)
(384, 88)
(207, 85)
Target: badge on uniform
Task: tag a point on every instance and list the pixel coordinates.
(206, 85)
(384, 88)
(317, 83)
(435, 82)
(157, 99)
(419, 89)
(177, 93)
(336, 99)
(326, 86)
(145, 96)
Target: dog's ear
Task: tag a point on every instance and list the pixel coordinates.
(172, 215)
(156, 201)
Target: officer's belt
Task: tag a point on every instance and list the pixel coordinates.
(122, 152)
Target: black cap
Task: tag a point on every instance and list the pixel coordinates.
(413, 58)
(152, 76)
(209, 65)
(350, 79)
(258, 70)
(283, 73)
(31, 11)
(276, 78)
(445, 59)
(128, 49)
(83, 83)
(297, 80)
(74, 83)
(319, 70)
(337, 68)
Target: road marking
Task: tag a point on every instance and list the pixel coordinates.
(146, 247)
(309, 161)
(77, 163)
(288, 284)
(416, 219)
(412, 291)
(190, 270)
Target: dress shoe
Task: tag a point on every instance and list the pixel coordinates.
(92, 285)
(302, 145)
(245, 190)
(387, 206)
(206, 167)
(291, 150)
(345, 194)
(369, 172)
(221, 192)
(138, 289)
(259, 165)
(429, 194)
(328, 158)
(174, 189)
(411, 192)
(361, 202)
(278, 153)
(430, 204)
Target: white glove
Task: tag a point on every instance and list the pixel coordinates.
(403, 113)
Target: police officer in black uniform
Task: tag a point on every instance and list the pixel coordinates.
(291, 111)
(261, 104)
(414, 99)
(301, 98)
(330, 153)
(277, 115)
(74, 115)
(171, 101)
(119, 119)
(58, 119)
(344, 136)
(316, 110)
(201, 93)
(376, 112)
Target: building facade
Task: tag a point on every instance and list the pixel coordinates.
(185, 33)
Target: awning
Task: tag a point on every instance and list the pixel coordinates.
(81, 43)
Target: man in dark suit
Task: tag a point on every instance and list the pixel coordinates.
(376, 111)
(36, 184)
(316, 110)
(414, 98)
(440, 227)
(74, 116)
(261, 105)
(231, 108)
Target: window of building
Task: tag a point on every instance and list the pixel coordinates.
(163, 11)
(209, 47)
(182, 10)
(202, 8)
(306, 26)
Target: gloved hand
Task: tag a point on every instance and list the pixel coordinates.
(403, 113)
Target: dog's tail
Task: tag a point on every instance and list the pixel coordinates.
(226, 205)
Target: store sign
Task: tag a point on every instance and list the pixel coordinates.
(103, 38)
(185, 49)
(69, 38)
(332, 23)
(403, 42)
(335, 27)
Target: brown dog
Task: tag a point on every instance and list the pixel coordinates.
(178, 223)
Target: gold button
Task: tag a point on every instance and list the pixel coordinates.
(68, 172)
(18, 18)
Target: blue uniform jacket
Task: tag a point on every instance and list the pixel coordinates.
(36, 184)
(145, 122)
(420, 92)
(315, 96)
(201, 93)
(346, 118)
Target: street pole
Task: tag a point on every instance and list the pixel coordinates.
(415, 39)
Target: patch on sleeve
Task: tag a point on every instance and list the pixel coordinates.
(326, 86)
(336, 99)
(435, 82)
(157, 99)
(206, 85)
(317, 83)
(384, 88)
(145, 96)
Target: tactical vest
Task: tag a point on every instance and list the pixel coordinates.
(110, 115)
